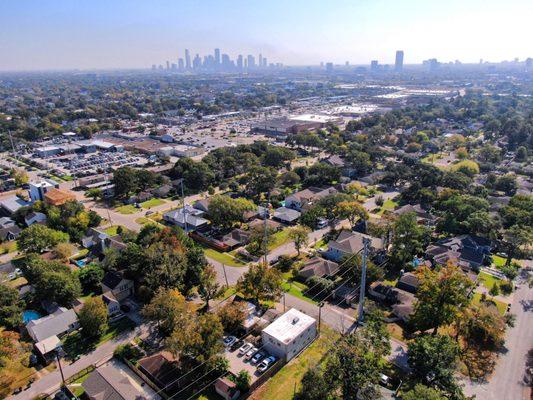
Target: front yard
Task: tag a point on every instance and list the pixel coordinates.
(223, 258)
(278, 239)
(127, 209)
(76, 344)
(152, 203)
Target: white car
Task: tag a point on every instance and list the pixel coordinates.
(250, 353)
(245, 348)
(266, 363)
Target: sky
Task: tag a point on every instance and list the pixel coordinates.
(102, 34)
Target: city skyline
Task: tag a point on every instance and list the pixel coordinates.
(105, 35)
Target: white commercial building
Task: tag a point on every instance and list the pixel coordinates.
(38, 189)
(289, 334)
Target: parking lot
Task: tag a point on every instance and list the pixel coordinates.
(238, 363)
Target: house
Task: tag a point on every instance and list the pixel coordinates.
(11, 204)
(35, 218)
(402, 302)
(237, 237)
(467, 251)
(335, 161)
(408, 282)
(57, 197)
(349, 242)
(318, 266)
(289, 334)
(46, 331)
(98, 241)
(202, 205)
(115, 381)
(373, 178)
(10, 233)
(422, 216)
(114, 284)
(251, 312)
(286, 215)
(37, 190)
(227, 389)
(188, 218)
(305, 198)
(163, 191)
(161, 368)
(6, 222)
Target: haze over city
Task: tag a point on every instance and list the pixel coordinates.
(62, 34)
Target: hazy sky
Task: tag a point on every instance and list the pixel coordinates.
(62, 34)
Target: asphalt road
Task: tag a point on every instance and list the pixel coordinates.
(507, 381)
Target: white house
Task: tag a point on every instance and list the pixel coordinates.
(289, 334)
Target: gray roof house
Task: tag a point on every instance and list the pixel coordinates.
(318, 266)
(186, 217)
(286, 215)
(307, 197)
(349, 242)
(46, 331)
(35, 218)
(10, 205)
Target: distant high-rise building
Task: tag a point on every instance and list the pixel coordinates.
(245, 63)
(432, 64)
(529, 63)
(197, 62)
(374, 65)
(154, 67)
(264, 64)
(321, 64)
(168, 65)
(180, 64)
(398, 64)
(187, 59)
(173, 66)
(260, 60)
(217, 56)
(251, 61)
(239, 61)
(347, 63)
(329, 67)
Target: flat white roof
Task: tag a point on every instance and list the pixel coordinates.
(289, 326)
(312, 118)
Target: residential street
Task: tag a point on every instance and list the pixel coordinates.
(51, 382)
(507, 382)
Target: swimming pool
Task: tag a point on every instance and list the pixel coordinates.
(30, 315)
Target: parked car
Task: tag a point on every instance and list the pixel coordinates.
(244, 348)
(148, 212)
(229, 340)
(257, 357)
(250, 353)
(321, 223)
(266, 364)
(236, 345)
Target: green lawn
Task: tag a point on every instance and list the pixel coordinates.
(152, 203)
(297, 289)
(502, 307)
(8, 247)
(75, 344)
(223, 258)
(112, 230)
(498, 261)
(126, 209)
(281, 386)
(144, 221)
(388, 205)
(488, 280)
(279, 238)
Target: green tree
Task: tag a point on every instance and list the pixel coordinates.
(242, 380)
(94, 193)
(38, 238)
(11, 307)
(260, 283)
(409, 239)
(225, 212)
(514, 238)
(467, 167)
(421, 392)
(314, 386)
(521, 154)
(169, 310)
(209, 288)
(232, 315)
(442, 294)
(60, 287)
(90, 278)
(352, 211)
(300, 236)
(433, 362)
(93, 317)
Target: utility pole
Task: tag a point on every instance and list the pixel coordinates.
(12, 145)
(265, 237)
(360, 316)
(320, 305)
(183, 209)
(225, 276)
(60, 368)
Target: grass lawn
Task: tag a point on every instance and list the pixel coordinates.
(297, 290)
(488, 280)
(17, 282)
(126, 209)
(144, 221)
(502, 307)
(223, 258)
(75, 344)
(498, 261)
(320, 244)
(388, 205)
(112, 230)
(279, 238)
(281, 386)
(152, 203)
(14, 374)
(8, 247)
